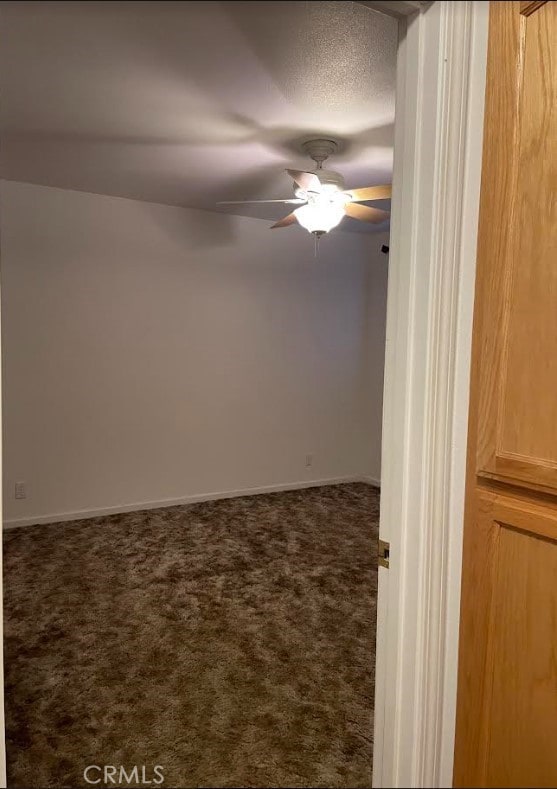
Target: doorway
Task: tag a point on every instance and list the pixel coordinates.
(103, 295)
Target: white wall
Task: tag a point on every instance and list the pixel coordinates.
(154, 353)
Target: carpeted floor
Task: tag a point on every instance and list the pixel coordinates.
(230, 642)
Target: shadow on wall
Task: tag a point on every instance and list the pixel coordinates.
(191, 228)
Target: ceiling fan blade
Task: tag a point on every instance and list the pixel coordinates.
(295, 200)
(371, 193)
(287, 220)
(365, 213)
(308, 181)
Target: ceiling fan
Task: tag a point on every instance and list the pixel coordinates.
(321, 197)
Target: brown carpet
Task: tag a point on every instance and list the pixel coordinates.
(230, 642)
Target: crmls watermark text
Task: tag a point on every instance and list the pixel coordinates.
(110, 774)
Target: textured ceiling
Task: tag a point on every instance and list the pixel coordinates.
(187, 103)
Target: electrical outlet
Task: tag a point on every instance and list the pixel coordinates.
(20, 490)
(309, 460)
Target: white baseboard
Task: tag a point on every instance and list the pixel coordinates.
(60, 517)
(373, 481)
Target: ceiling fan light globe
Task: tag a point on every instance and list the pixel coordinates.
(319, 217)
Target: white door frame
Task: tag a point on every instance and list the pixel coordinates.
(3, 778)
(438, 140)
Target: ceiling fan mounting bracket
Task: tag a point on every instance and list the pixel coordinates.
(320, 149)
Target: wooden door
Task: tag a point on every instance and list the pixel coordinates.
(507, 695)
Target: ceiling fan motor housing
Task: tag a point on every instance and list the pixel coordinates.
(331, 178)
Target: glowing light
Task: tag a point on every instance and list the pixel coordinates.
(322, 212)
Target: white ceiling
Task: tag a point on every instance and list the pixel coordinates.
(187, 103)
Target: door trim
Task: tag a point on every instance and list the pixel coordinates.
(436, 186)
(3, 773)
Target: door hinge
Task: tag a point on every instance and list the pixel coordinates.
(383, 553)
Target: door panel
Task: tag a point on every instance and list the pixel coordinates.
(522, 708)
(508, 671)
(507, 693)
(531, 365)
(519, 367)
